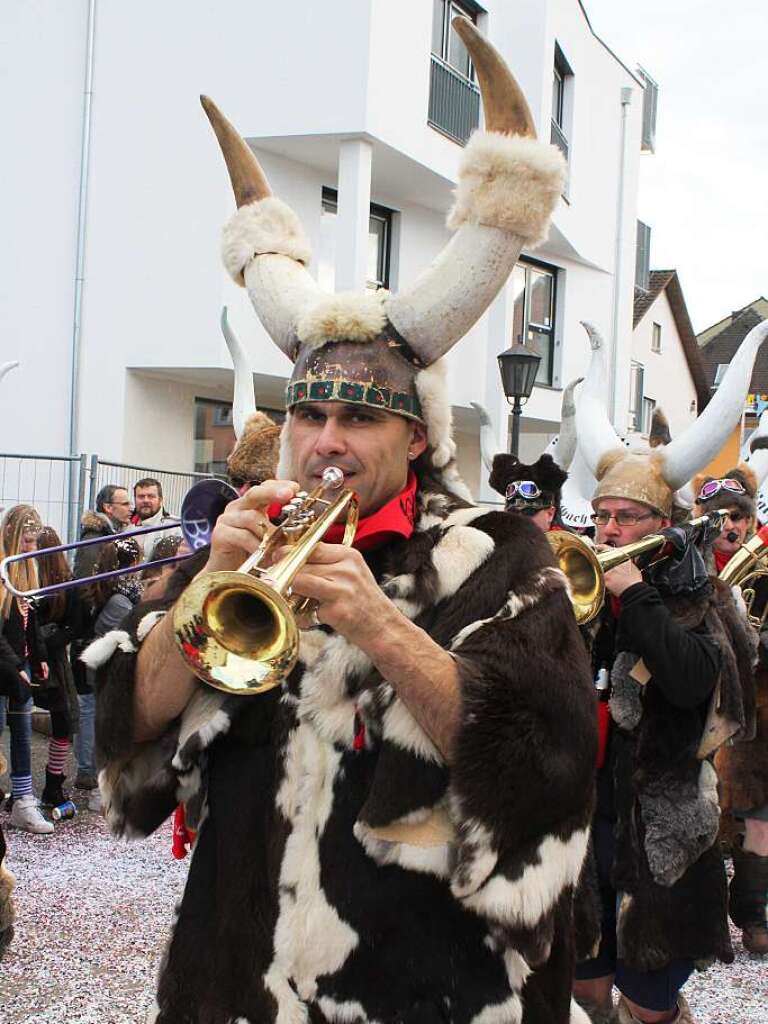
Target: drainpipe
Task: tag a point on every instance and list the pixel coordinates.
(626, 99)
(82, 209)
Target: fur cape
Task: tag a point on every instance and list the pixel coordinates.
(309, 888)
(668, 865)
(742, 764)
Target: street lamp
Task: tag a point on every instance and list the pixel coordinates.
(518, 367)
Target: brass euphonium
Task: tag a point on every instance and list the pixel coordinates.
(748, 564)
(585, 568)
(238, 630)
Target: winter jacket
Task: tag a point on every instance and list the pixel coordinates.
(11, 683)
(92, 525)
(149, 540)
(58, 692)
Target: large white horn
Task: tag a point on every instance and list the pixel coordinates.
(244, 394)
(756, 454)
(279, 285)
(594, 430)
(7, 367)
(563, 447)
(706, 436)
(489, 444)
(450, 296)
(576, 499)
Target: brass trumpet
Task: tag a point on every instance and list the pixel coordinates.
(585, 568)
(744, 569)
(238, 630)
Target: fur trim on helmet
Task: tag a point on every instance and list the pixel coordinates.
(727, 499)
(432, 389)
(508, 182)
(659, 432)
(266, 226)
(254, 457)
(545, 473)
(345, 317)
(636, 476)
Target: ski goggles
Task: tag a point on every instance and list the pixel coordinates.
(713, 487)
(525, 489)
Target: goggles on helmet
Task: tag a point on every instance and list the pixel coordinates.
(713, 487)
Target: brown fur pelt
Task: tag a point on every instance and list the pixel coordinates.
(743, 767)
(254, 458)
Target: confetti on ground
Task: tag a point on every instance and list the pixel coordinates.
(94, 915)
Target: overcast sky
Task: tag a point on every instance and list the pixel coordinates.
(705, 190)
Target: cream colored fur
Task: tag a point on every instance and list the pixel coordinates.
(268, 225)
(345, 317)
(432, 389)
(508, 182)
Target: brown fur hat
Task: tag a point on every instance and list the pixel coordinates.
(636, 476)
(727, 499)
(659, 432)
(545, 472)
(255, 455)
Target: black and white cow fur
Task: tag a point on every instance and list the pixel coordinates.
(300, 906)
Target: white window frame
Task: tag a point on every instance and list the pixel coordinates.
(656, 338)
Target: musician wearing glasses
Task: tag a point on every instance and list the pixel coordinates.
(393, 832)
(532, 490)
(742, 765)
(668, 649)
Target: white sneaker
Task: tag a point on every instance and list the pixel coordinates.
(26, 814)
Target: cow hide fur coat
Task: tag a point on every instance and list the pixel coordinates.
(299, 905)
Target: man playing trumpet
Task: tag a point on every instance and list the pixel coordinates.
(394, 833)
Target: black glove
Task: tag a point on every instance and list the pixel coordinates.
(679, 568)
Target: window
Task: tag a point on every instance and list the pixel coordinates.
(650, 103)
(454, 99)
(222, 416)
(636, 375)
(643, 256)
(562, 83)
(719, 374)
(533, 317)
(215, 435)
(647, 415)
(656, 338)
(445, 43)
(379, 243)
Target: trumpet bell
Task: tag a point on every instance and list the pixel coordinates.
(582, 568)
(238, 633)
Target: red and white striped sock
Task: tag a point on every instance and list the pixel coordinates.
(57, 755)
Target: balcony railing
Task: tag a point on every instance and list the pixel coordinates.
(558, 139)
(454, 102)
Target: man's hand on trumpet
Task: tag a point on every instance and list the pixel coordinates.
(241, 526)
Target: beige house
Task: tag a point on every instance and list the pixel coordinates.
(666, 370)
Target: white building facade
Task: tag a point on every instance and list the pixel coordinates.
(111, 280)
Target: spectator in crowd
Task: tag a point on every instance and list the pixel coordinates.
(112, 515)
(149, 511)
(108, 602)
(25, 651)
(63, 619)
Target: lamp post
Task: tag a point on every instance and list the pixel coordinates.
(518, 367)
